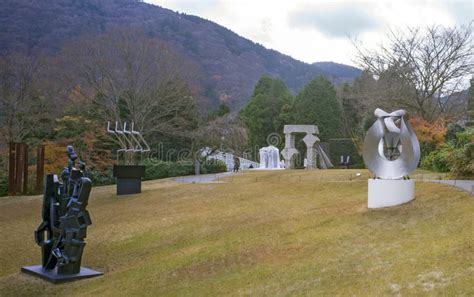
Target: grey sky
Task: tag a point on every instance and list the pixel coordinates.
(336, 19)
(312, 30)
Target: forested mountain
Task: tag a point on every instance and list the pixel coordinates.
(231, 64)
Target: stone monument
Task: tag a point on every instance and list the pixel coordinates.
(313, 151)
(391, 152)
(63, 229)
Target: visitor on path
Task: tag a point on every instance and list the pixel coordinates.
(236, 164)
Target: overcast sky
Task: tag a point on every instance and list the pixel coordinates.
(314, 31)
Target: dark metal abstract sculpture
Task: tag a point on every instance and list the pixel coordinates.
(63, 229)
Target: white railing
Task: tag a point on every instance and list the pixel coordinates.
(228, 159)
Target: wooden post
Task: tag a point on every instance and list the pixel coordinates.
(11, 168)
(18, 167)
(39, 168)
(25, 168)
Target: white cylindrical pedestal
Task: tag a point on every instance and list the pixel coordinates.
(385, 192)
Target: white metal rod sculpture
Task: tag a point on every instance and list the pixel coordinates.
(131, 142)
(391, 152)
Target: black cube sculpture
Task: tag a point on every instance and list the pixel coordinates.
(63, 229)
(129, 178)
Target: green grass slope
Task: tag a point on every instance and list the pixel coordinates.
(257, 234)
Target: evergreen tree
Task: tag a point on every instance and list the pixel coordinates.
(317, 105)
(222, 109)
(351, 110)
(262, 113)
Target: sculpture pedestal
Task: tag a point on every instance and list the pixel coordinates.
(53, 277)
(385, 192)
(129, 178)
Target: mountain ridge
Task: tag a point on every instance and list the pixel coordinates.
(232, 64)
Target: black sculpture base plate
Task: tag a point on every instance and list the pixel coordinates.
(53, 277)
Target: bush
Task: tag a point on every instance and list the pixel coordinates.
(437, 160)
(3, 185)
(456, 156)
(181, 168)
(213, 166)
(101, 179)
(431, 136)
(155, 168)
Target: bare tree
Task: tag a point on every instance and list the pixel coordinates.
(21, 102)
(131, 77)
(225, 132)
(426, 68)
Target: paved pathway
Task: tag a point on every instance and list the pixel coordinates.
(465, 185)
(202, 178)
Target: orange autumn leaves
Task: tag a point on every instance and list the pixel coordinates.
(429, 133)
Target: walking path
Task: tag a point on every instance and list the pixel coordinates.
(464, 185)
(202, 178)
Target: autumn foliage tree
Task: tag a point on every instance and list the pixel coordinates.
(430, 135)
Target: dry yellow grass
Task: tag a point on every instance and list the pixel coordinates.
(257, 234)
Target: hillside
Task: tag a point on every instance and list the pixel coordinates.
(231, 63)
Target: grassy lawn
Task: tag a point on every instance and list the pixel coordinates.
(261, 233)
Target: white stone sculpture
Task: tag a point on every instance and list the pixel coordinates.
(269, 157)
(313, 146)
(391, 152)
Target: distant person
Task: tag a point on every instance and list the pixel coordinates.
(236, 164)
(282, 164)
(251, 166)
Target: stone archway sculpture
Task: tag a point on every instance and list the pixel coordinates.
(312, 141)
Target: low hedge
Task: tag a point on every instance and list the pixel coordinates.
(181, 168)
(100, 178)
(155, 168)
(213, 166)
